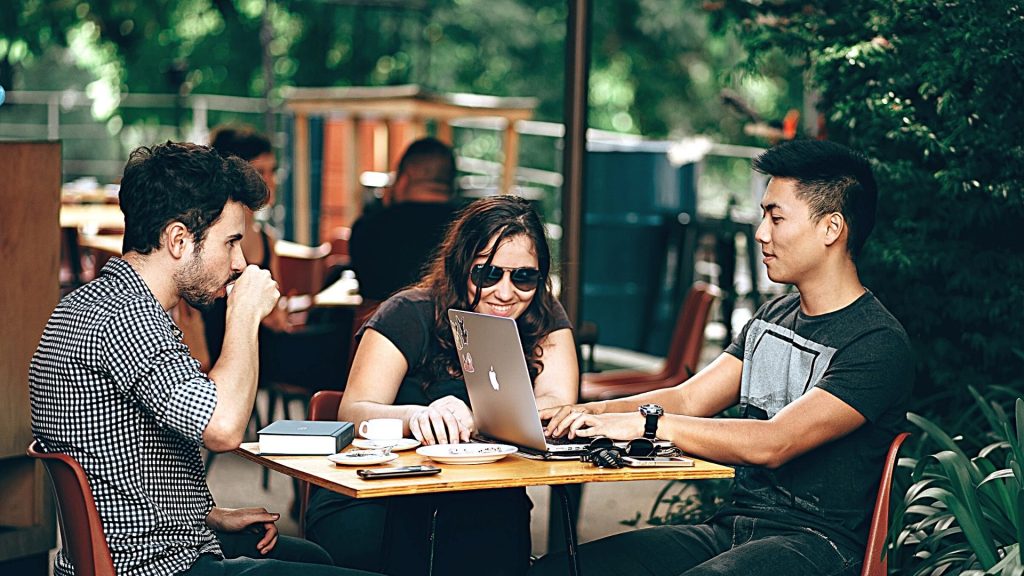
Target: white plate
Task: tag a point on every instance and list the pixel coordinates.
(396, 445)
(361, 457)
(466, 453)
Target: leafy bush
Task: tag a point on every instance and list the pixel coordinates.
(964, 515)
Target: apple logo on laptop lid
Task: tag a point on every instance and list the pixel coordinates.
(494, 378)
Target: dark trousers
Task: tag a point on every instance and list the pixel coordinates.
(475, 532)
(291, 556)
(735, 545)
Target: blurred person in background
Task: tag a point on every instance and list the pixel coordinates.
(389, 247)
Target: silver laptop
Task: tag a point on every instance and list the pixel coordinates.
(500, 390)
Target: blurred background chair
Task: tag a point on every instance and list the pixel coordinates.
(81, 531)
(680, 362)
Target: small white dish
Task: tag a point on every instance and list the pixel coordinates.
(362, 457)
(466, 453)
(396, 445)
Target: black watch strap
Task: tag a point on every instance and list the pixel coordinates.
(651, 426)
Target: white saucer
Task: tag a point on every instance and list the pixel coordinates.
(361, 457)
(466, 453)
(396, 445)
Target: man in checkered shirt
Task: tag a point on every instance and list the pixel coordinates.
(113, 386)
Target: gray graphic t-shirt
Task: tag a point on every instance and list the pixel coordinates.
(859, 354)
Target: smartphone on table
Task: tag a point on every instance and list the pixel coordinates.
(658, 461)
(396, 472)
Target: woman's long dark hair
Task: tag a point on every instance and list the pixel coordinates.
(447, 278)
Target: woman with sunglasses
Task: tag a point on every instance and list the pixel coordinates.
(494, 260)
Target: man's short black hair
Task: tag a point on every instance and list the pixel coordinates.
(240, 140)
(831, 178)
(429, 160)
(182, 182)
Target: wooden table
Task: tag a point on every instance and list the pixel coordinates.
(107, 243)
(509, 472)
(86, 219)
(91, 217)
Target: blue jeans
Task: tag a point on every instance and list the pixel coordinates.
(291, 556)
(736, 545)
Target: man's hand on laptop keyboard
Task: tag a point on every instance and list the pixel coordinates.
(445, 421)
(561, 417)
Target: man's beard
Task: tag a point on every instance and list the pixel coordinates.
(196, 287)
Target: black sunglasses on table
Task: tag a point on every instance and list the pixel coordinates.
(487, 275)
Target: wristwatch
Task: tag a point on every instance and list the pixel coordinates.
(651, 412)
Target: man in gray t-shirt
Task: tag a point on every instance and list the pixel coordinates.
(821, 378)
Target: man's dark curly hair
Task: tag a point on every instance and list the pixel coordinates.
(182, 182)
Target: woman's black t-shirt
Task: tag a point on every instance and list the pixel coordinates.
(407, 320)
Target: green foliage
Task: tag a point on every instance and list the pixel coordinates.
(930, 89)
(656, 68)
(964, 515)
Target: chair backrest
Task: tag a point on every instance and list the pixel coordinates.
(300, 268)
(875, 562)
(322, 406)
(688, 335)
(81, 530)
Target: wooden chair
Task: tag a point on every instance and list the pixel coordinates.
(300, 268)
(322, 406)
(875, 561)
(81, 531)
(680, 362)
(300, 273)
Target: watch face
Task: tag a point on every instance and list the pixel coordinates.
(651, 410)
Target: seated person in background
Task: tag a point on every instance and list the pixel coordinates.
(406, 367)
(297, 355)
(821, 378)
(113, 386)
(258, 242)
(389, 247)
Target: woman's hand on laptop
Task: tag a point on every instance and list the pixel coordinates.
(560, 418)
(445, 421)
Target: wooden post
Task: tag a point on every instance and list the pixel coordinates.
(508, 175)
(300, 189)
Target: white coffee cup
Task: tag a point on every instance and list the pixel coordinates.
(381, 429)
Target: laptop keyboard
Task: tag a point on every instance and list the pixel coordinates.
(565, 441)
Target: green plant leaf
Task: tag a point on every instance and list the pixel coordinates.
(936, 433)
(963, 502)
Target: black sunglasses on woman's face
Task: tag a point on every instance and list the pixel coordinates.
(487, 275)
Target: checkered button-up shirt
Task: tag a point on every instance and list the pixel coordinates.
(113, 385)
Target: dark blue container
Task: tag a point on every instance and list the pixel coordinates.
(635, 206)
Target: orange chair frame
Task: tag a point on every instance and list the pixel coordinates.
(81, 530)
(680, 362)
(875, 561)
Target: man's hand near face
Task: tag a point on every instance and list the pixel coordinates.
(254, 294)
